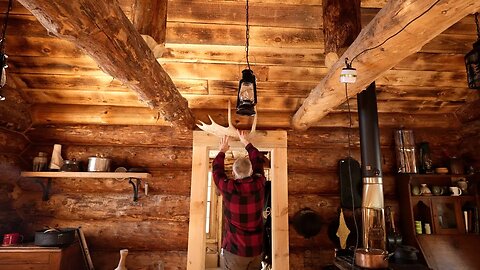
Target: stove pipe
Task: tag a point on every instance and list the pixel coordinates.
(373, 216)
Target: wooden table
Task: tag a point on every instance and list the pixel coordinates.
(28, 256)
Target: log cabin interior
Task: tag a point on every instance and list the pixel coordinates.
(129, 79)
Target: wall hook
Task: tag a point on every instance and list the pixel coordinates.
(136, 186)
(45, 187)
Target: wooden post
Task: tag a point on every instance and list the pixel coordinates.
(381, 45)
(150, 18)
(341, 25)
(102, 30)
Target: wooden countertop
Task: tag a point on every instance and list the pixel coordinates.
(30, 247)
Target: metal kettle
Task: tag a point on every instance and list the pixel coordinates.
(70, 165)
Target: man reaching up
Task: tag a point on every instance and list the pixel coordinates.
(243, 201)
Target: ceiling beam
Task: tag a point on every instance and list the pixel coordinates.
(102, 30)
(371, 62)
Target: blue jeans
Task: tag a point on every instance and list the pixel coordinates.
(230, 261)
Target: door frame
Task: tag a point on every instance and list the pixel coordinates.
(273, 141)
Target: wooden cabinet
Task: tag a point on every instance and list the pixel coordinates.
(444, 213)
(41, 258)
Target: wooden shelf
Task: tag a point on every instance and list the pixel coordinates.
(137, 175)
(438, 197)
(47, 183)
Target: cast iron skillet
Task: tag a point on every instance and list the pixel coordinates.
(55, 237)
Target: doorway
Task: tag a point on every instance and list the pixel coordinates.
(274, 142)
(214, 221)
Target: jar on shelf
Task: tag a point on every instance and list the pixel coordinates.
(40, 162)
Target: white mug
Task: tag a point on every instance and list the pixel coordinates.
(456, 191)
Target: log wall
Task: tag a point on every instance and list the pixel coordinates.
(469, 116)
(155, 229)
(11, 145)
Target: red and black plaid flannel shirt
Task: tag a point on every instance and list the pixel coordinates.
(243, 201)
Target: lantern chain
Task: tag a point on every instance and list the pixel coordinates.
(247, 34)
(4, 28)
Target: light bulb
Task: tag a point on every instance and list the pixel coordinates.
(348, 75)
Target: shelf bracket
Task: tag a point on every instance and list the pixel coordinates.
(136, 186)
(45, 187)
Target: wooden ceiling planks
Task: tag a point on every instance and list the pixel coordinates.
(233, 13)
(205, 55)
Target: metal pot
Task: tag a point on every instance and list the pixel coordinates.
(55, 237)
(98, 164)
(372, 258)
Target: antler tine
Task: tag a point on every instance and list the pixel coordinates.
(229, 114)
(254, 124)
(221, 131)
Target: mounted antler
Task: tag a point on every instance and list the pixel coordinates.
(221, 131)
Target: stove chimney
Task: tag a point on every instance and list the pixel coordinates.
(372, 205)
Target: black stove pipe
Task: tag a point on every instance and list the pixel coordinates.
(369, 134)
(373, 217)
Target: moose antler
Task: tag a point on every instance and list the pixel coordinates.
(221, 131)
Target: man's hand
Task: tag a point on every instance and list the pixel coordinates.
(243, 137)
(224, 144)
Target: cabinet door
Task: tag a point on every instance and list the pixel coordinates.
(447, 216)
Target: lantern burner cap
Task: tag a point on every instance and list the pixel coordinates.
(246, 108)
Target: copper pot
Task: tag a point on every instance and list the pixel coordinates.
(372, 258)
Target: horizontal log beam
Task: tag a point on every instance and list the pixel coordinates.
(316, 160)
(326, 183)
(324, 137)
(129, 156)
(108, 235)
(159, 208)
(103, 31)
(371, 62)
(129, 135)
(43, 114)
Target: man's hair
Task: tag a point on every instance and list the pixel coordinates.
(242, 168)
